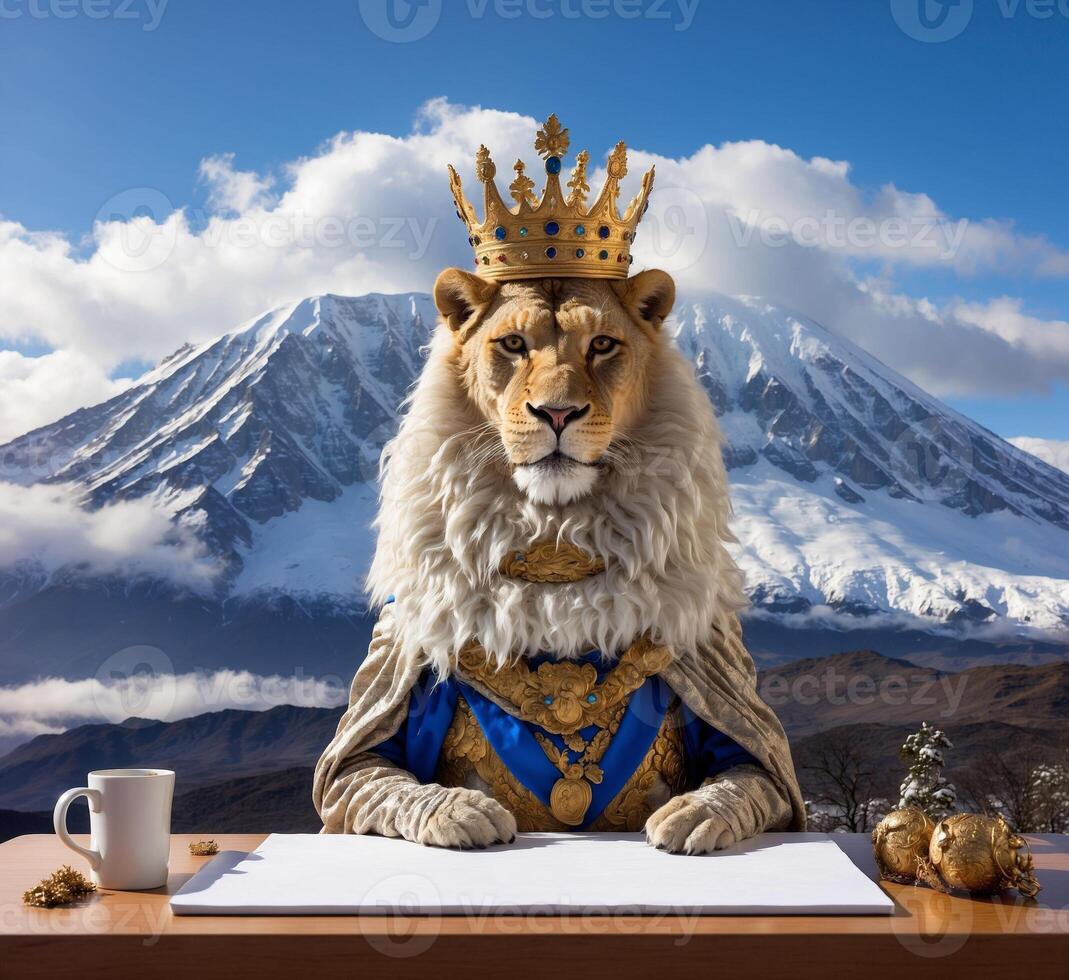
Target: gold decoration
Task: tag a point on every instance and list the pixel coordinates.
(63, 887)
(466, 752)
(900, 844)
(551, 140)
(577, 185)
(484, 166)
(553, 237)
(618, 162)
(979, 854)
(564, 696)
(552, 562)
(467, 758)
(661, 776)
(522, 188)
(203, 848)
(571, 794)
(570, 799)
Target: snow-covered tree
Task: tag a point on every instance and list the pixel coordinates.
(925, 785)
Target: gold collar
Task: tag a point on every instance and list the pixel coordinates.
(551, 562)
(564, 696)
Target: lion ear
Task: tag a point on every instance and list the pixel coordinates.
(461, 297)
(648, 296)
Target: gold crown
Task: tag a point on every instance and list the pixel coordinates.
(557, 235)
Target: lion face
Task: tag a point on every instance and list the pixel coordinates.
(556, 368)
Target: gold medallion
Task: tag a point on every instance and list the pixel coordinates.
(570, 799)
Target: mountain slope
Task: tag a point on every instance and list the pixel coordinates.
(203, 749)
(859, 492)
(289, 411)
(860, 499)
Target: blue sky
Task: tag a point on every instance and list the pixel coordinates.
(142, 93)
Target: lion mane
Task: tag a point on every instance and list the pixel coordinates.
(450, 513)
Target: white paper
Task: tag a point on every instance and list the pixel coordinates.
(313, 874)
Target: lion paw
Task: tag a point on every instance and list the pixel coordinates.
(688, 825)
(468, 819)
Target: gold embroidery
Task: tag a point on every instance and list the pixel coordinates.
(571, 795)
(552, 562)
(562, 696)
(466, 750)
(661, 774)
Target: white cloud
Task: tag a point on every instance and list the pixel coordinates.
(53, 704)
(230, 189)
(369, 211)
(37, 390)
(1051, 451)
(45, 525)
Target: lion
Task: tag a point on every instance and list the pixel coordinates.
(556, 414)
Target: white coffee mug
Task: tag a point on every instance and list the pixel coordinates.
(130, 823)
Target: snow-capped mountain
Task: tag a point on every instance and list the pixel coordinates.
(859, 498)
(265, 442)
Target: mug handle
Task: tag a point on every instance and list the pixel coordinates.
(59, 821)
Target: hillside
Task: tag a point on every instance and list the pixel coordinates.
(242, 770)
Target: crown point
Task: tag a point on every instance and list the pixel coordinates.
(618, 161)
(522, 188)
(552, 140)
(484, 166)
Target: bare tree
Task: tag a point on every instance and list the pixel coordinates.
(840, 783)
(1030, 790)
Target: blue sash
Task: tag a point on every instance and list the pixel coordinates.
(418, 743)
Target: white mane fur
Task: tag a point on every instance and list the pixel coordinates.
(450, 512)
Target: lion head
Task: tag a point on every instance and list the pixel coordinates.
(554, 410)
(559, 369)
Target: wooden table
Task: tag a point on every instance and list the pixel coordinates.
(125, 934)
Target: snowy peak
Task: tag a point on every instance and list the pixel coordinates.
(811, 403)
(294, 405)
(857, 494)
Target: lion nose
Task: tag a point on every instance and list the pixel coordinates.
(557, 418)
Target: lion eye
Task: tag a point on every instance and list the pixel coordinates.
(514, 344)
(603, 344)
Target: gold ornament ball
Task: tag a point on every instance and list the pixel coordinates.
(978, 854)
(900, 843)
